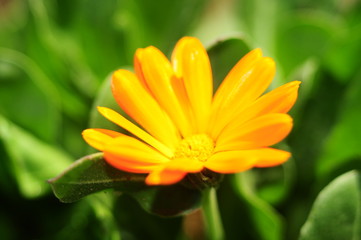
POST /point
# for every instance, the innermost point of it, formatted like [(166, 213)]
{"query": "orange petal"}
[(165, 177), (238, 161), (122, 163), (279, 100), (191, 63), (270, 157), (231, 162), (99, 138), (174, 171), (158, 74), (238, 71), (260, 132), (244, 87), (137, 102), (129, 126), (136, 150), (129, 154)]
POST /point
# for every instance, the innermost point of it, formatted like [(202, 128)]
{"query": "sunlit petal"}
[(98, 138), (242, 160), (158, 75), (141, 106), (164, 177), (279, 100), (260, 132), (231, 162), (174, 171), (191, 63), (247, 87), (129, 126)]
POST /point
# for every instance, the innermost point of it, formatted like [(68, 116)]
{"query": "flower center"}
[(198, 147)]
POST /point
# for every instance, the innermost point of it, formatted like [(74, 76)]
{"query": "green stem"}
[(212, 218)]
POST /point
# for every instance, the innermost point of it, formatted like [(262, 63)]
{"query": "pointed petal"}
[(174, 171), (279, 100), (130, 127), (231, 162), (129, 154), (135, 150), (137, 102), (259, 132), (98, 138), (191, 63), (270, 157), (244, 88), (157, 73), (167, 177), (238, 161), (124, 164)]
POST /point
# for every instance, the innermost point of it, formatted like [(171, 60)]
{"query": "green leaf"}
[(303, 36), (336, 213), (30, 160), (342, 147), (91, 174), (266, 220)]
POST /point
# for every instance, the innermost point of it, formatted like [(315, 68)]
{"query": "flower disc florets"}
[(197, 147)]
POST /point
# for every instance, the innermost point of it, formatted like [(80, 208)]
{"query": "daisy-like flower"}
[(183, 128)]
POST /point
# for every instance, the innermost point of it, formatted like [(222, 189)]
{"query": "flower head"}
[(183, 127)]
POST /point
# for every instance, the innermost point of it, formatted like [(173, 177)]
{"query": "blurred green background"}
[(56, 55)]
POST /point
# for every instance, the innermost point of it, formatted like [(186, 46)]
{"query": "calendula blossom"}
[(184, 128)]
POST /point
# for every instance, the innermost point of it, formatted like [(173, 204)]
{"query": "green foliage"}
[(56, 58), (92, 174), (336, 213)]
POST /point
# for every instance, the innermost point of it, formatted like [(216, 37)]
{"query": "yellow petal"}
[(231, 162), (230, 82), (135, 151), (242, 160), (157, 73), (191, 63), (279, 100), (270, 157), (164, 177), (247, 87), (173, 171), (141, 106), (130, 127), (259, 132), (128, 165), (99, 138)]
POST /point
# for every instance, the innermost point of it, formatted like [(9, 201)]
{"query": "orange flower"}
[(185, 128)]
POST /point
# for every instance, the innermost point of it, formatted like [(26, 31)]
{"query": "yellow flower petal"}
[(238, 72), (134, 150), (191, 63), (141, 106), (164, 177), (129, 126), (260, 132), (270, 157), (98, 138), (231, 162), (242, 160), (279, 100), (124, 164), (246, 87), (157, 73), (174, 171)]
